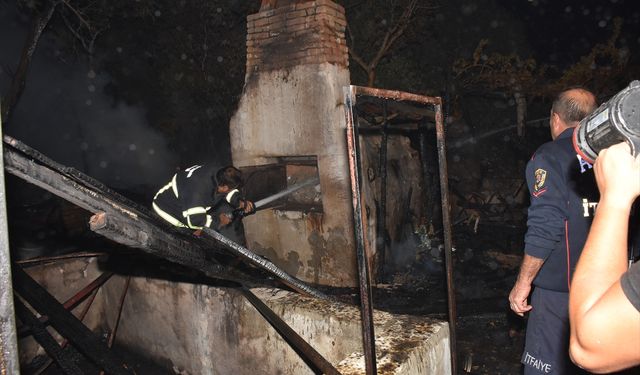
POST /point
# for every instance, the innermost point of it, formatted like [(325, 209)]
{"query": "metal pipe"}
[(395, 95), (366, 310), (112, 335), (76, 299), (9, 363), (314, 359), (30, 261), (446, 225)]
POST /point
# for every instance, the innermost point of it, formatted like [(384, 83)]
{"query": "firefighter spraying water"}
[(260, 204)]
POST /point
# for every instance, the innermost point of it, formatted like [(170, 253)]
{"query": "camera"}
[(613, 122)]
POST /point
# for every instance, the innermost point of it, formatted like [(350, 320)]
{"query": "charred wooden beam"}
[(430, 188), (48, 343), (66, 324), (64, 182), (134, 228), (141, 235), (124, 222), (65, 342), (74, 301), (127, 223)]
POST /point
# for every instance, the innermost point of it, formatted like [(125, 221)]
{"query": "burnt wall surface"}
[(292, 106)]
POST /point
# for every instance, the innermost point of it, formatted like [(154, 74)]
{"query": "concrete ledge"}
[(199, 329), (404, 344)]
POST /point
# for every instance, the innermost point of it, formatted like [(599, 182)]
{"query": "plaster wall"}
[(201, 329), (206, 330), (299, 111), (198, 329)]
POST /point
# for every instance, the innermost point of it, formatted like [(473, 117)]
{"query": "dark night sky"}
[(112, 140), (65, 113), (561, 31), (71, 112)]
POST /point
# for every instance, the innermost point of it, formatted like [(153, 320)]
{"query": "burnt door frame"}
[(363, 250)]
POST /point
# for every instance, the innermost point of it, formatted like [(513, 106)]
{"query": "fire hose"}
[(260, 204)]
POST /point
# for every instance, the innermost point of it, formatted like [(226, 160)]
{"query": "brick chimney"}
[(291, 115), (296, 33)]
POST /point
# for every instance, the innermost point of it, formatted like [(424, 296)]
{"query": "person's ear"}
[(556, 121)]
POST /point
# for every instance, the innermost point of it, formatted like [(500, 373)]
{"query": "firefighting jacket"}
[(189, 199), (563, 197)]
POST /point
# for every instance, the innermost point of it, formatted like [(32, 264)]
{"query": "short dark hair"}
[(574, 104), (229, 176)]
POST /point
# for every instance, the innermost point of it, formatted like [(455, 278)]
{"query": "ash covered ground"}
[(490, 337)]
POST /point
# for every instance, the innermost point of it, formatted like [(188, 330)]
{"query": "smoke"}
[(65, 114)]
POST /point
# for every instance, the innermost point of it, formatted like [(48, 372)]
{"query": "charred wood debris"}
[(213, 258)]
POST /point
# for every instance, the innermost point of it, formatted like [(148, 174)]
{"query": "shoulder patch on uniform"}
[(540, 177)]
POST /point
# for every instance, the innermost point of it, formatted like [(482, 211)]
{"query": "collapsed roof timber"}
[(127, 223)]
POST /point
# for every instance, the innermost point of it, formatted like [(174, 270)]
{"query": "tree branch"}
[(75, 11), (390, 37), (19, 79)]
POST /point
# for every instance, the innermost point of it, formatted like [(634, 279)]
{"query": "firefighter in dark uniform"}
[(563, 197), (202, 196)]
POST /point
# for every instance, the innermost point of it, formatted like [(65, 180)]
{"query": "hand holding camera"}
[(618, 175)]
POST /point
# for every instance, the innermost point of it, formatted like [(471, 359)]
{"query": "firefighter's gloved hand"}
[(247, 207)]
